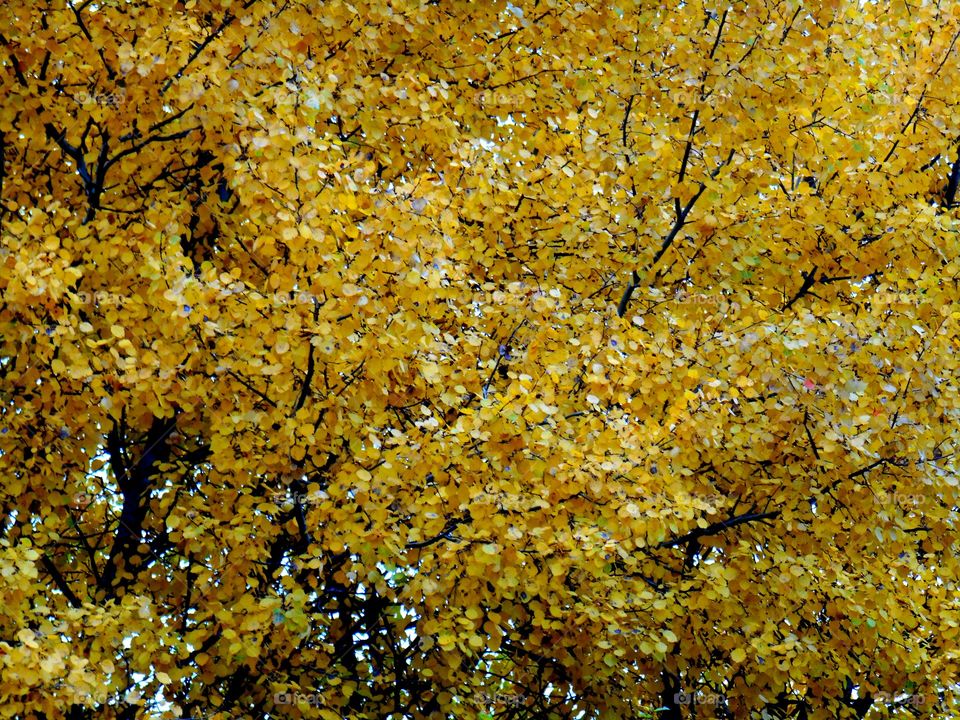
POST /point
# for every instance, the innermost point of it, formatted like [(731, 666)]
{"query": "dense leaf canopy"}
[(553, 359)]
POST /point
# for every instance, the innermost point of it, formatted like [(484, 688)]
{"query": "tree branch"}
[(717, 527), (134, 484), (723, 21), (625, 123), (228, 18), (627, 293), (677, 226), (60, 582), (689, 146), (952, 183)]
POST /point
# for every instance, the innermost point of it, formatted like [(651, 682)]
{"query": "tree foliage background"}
[(520, 360)]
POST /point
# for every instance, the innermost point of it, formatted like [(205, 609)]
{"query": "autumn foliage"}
[(515, 360)]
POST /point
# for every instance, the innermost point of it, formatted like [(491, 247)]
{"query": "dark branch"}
[(133, 481), (677, 226), (717, 527), (786, 30), (952, 183), (311, 366), (723, 21), (60, 581), (626, 122), (806, 426), (445, 534), (809, 279), (200, 47), (14, 62), (689, 146)]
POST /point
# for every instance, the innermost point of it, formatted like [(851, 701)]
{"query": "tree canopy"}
[(547, 359)]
